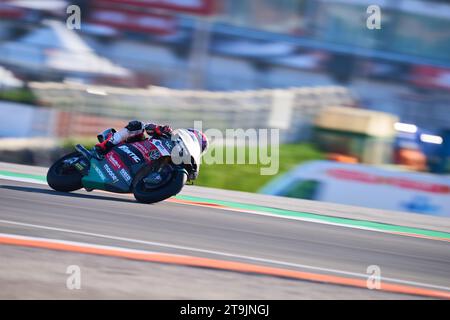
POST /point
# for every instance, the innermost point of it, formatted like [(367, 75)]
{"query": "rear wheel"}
[(62, 176), (158, 183)]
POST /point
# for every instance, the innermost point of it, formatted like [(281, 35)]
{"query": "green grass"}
[(242, 177), (69, 143), (18, 95), (247, 177)]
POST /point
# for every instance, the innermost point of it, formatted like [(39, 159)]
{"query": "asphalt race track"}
[(99, 218)]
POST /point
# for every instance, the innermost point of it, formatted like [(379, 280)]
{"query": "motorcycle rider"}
[(134, 131)]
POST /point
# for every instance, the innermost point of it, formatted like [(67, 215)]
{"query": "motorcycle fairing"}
[(186, 144), (116, 170), (153, 149), (102, 176)]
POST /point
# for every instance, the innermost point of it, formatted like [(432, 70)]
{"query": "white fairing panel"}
[(186, 146)]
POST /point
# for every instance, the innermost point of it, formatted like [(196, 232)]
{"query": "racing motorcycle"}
[(153, 169)]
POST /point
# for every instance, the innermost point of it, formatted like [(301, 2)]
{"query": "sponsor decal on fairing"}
[(99, 172), (125, 175), (158, 144), (130, 153), (154, 154), (110, 173), (144, 149), (114, 160)]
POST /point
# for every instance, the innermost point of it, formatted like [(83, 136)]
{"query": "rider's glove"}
[(156, 130), (134, 125), (104, 146)]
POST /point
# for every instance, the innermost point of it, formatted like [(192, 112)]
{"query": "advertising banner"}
[(367, 186)]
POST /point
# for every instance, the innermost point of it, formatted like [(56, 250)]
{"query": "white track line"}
[(223, 254), (82, 244), (260, 213)]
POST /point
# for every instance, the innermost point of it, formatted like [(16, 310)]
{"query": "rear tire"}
[(168, 190), (64, 181)]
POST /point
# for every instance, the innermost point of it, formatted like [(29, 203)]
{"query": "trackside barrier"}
[(292, 110)]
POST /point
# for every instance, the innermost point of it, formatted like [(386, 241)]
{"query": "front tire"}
[(171, 188), (64, 179)]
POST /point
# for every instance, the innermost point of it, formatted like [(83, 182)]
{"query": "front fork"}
[(83, 163)]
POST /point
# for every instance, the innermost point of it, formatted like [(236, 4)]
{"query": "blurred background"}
[(360, 111)]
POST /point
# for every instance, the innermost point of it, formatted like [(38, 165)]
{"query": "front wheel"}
[(62, 176), (146, 191)]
